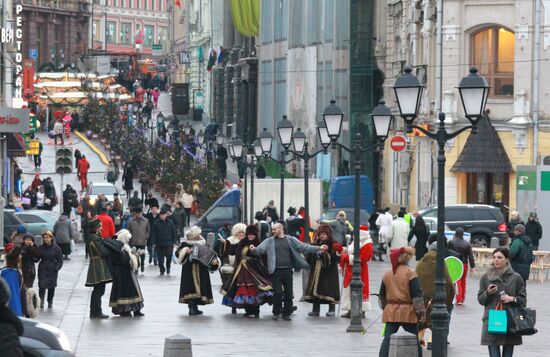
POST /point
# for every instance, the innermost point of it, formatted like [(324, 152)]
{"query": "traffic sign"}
[(157, 50), (398, 143), (33, 53)]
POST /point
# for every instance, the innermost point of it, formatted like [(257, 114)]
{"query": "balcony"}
[(75, 6)]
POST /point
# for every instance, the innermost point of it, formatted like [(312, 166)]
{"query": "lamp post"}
[(332, 117), (297, 138), (473, 91), (249, 160)]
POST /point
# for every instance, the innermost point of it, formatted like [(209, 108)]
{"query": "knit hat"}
[(324, 228), (399, 256), (28, 236), (164, 210), (341, 214), (21, 229), (251, 229), (193, 233)]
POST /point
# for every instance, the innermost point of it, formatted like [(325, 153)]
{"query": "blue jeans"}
[(507, 351)]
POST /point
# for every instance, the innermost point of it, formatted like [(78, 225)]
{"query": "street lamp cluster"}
[(473, 90)]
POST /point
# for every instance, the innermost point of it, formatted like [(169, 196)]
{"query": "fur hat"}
[(251, 229), (324, 228), (124, 236), (93, 225), (238, 228), (400, 256), (193, 233)]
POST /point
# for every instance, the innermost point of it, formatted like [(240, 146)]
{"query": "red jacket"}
[(365, 255), (83, 166), (107, 224)]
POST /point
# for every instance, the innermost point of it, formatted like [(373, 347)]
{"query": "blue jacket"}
[(296, 247)]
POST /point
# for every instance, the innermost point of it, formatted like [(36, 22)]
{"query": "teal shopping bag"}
[(498, 321)]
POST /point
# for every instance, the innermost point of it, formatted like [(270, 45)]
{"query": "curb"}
[(92, 146)]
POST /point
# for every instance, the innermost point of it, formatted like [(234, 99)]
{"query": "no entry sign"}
[(398, 143)]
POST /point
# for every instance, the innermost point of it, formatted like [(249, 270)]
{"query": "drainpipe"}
[(536, 76)]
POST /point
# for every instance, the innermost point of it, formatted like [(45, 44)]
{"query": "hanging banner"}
[(28, 79)]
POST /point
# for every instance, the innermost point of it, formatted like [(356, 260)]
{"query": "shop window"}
[(492, 52)]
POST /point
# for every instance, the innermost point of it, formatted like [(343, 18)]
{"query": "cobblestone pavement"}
[(218, 333)]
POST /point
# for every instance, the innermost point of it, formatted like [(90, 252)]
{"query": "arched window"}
[(492, 52)]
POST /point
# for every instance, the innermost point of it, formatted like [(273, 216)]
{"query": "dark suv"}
[(482, 221)]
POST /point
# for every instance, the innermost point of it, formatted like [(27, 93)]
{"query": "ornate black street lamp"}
[(333, 117), (473, 91)]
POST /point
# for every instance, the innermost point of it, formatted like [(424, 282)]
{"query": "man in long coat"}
[(98, 271)]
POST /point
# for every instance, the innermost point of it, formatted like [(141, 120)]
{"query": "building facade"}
[(55, 33), (309, 53), (508, 43), (117, 24)]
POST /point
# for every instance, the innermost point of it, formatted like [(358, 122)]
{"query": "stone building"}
[(117, 24), (56, 31), (509, 44)]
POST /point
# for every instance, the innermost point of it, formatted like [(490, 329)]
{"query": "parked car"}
[(330, 215), (482, 221), (11, 221), (42, 340), (449, 233), (226, 209), (37, 222), (107, 188)]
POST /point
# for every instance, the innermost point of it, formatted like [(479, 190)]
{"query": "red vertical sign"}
[(28, 79)]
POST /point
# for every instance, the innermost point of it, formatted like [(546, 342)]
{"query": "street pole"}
[(440, 315), (306, 192), (356, 281), (251, 220), (243, 215), (282, 164)]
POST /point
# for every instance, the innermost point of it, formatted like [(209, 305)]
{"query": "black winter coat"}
[(533, 230), (163, 233), (10, 330), (51, 261), (421, 234), (29, 256)]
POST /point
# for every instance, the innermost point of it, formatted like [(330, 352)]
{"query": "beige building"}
[(511, 49)]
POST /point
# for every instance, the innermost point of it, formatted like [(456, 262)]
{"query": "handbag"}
[(521, 321), (497, 324), (412, 242)]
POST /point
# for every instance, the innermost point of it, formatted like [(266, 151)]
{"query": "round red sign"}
[(398, 143)]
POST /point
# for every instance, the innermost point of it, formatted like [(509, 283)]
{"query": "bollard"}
[(494, 242), (177, 346), (403, 344)]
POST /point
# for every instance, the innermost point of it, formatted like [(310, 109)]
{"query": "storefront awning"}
[(483, 152), (16, 145)]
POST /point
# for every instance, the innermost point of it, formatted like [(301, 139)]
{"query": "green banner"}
[(526, 180), (545, 181)]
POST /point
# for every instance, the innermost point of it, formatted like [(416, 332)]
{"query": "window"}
[(125, 33), (296, 30), (481, 214), (31, 218), (492, 52), (281, 19), (163, 35), (329, 20), (96, 34), (314, 15), (110, 32), (220, 214), (457, 214), (280, 89), (342, 23), (266, 95), (266, 31), (148, 35)]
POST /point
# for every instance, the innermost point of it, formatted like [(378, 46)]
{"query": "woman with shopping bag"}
[(499, 288)]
